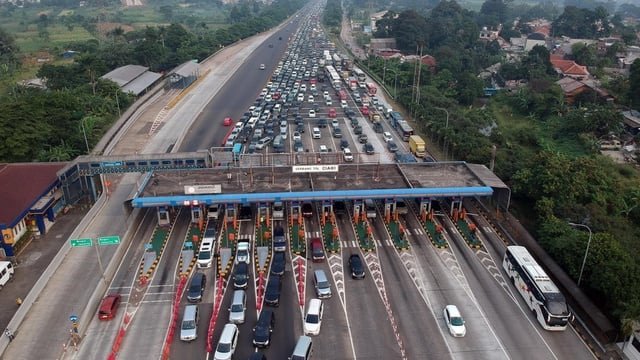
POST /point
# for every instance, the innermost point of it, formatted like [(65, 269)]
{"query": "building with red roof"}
[(570, 68), (31, 197)]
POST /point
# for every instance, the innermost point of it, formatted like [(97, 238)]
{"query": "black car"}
[(272, 293), (300, 128), (245, 212), (263, 329), (363, 138), (392, 147), (368, 148), (241, 276), (344, 144), (322, 123), (196, 287), (357, 129), (257, 356), (356, 266), (339, 207), (278, 263), (307, 209)]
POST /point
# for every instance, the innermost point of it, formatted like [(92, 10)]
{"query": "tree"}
[(634, 83), (584, 54), (493, 12), (8, 54), (582, 23)]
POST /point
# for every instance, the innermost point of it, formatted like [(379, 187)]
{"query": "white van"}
[(303, 349), (315, 133), (189, 325), (322, 285), (212, 211), (205, 254), (313, 319), (370, 208), (278, 210), (263, 142), (238, 307), (227, 344), (6, 272)]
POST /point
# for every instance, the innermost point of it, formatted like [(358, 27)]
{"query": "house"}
[(632, 121), (569, 68), (31, 198), (572, 88), (427, 60), (381, 43), (490, 35)]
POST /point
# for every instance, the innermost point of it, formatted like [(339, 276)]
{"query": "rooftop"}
[(22, 186)]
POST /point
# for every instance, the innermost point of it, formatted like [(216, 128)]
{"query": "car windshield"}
[(236, 308), (457, 321), (312, 318), (188, 325), (224, 347), (204, 255)]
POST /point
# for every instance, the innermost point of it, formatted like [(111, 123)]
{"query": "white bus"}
[(538, 291), (6, 272), (359, 74)]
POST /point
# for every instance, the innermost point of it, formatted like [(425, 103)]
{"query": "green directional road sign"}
[(109, 240), (81, 242)]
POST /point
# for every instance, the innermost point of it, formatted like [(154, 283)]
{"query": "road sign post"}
[(84, 242), (109, 240)]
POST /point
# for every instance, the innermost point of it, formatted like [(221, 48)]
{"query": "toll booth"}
[(389, 209), (230, 211), (327, 209), (357, 209), (295, 210), (263, 210), (456, 206), (163, 216), (196, 213), (424, 206)]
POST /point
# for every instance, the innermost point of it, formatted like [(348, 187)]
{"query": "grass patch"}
[(59, 36)]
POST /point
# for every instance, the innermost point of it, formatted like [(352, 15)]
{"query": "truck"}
[(395, 117), (374, 116), (417, 146)]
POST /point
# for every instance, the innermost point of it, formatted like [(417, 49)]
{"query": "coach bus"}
[(538, 291), (404, 130), (359, 74)]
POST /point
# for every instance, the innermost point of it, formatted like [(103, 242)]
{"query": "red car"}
[(365, 110), (332, 112), (108, 307), (317, 252), (227, 121)]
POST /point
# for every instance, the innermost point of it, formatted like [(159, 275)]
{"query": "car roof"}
[(453, 310)]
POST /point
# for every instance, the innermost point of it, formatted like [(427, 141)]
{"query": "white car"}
[(343, 103), (454, 321), (313, 319), (243, 254), (328, 102), (312, 113), (227, 344), (297, 136), (348, 156), (386, 136), (310, 98)]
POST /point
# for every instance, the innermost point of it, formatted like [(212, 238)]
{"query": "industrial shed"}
[(134, 79)]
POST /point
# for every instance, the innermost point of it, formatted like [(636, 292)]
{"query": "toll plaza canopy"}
[(314, 182)]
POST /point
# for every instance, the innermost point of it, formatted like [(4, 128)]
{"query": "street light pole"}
[(586, 253), (84, 132), (446, 127)]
